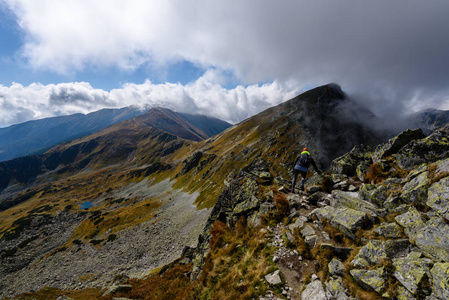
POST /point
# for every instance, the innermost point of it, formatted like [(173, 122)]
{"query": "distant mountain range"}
[(35, 137), (430, 119)]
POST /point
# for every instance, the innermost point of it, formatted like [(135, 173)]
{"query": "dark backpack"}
[(305, 160)]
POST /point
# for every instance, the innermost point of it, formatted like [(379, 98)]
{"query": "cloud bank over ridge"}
[(21, 103), (392, 55)]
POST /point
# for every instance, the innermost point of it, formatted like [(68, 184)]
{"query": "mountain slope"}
[(37, 136), (151, 191), (210, 126), (430, 119)]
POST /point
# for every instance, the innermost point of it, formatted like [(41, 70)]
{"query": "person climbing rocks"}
[(302, 163)]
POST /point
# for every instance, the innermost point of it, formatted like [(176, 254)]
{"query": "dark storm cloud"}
[(391, 55)]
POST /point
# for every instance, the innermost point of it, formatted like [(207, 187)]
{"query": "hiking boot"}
[(302, 188)]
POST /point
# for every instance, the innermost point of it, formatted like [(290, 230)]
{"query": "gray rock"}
[(397, 143), (404, 294), (311, 240), (298, 223), (440, 275), (376, 194), (411, 221), (374, 251), (247, 205), (411, 271), (415, 191), (433, 240), (335, 289), (336, 267), (438, 194), (370, 279), (273, 278), (307, 230), (346, 220), (390, 230), (430, 149), (353, 201), (315, 291)]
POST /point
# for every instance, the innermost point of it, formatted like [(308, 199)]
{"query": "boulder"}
[(440, 276), (433, 240), (376, 194), (370, 279), (389, 230), (430, 149), (336, 267), (411, 221), (397, 143), (403, 294), (437, 198), (335, 289), (412, 270), (314, 290), (345, 219), (374, 251), (353, 201), (415, 191), (348, 163), (247, 205)]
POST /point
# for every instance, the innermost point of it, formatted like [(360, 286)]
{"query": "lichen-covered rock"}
[(433, 240), (370, 279), (412, 270), (389, 230), (403, 294), (430, 149), (247, 205), (352, 200), (440, 277), (395, 144), (345, 219), (314, 290), (438, 195), (336, 267), (375, 251), (347, 164), (376, 194), (415, 191), (411, 221), (336, 290)]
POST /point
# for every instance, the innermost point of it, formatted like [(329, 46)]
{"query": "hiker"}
[(302, 162)]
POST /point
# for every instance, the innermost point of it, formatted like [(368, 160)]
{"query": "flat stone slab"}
[(273, 278), (370, 279), (345, 219)]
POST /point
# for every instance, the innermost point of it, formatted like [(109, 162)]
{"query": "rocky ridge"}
[(381, 216)]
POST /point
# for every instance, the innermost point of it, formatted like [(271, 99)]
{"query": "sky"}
[(227, 59)]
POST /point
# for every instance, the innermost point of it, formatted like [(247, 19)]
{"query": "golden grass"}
[(47, 293)]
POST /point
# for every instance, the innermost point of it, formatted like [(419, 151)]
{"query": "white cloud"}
[(389, 50), (21, 103)]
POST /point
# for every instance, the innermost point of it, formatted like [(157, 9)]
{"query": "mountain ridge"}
[(133, 182)]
